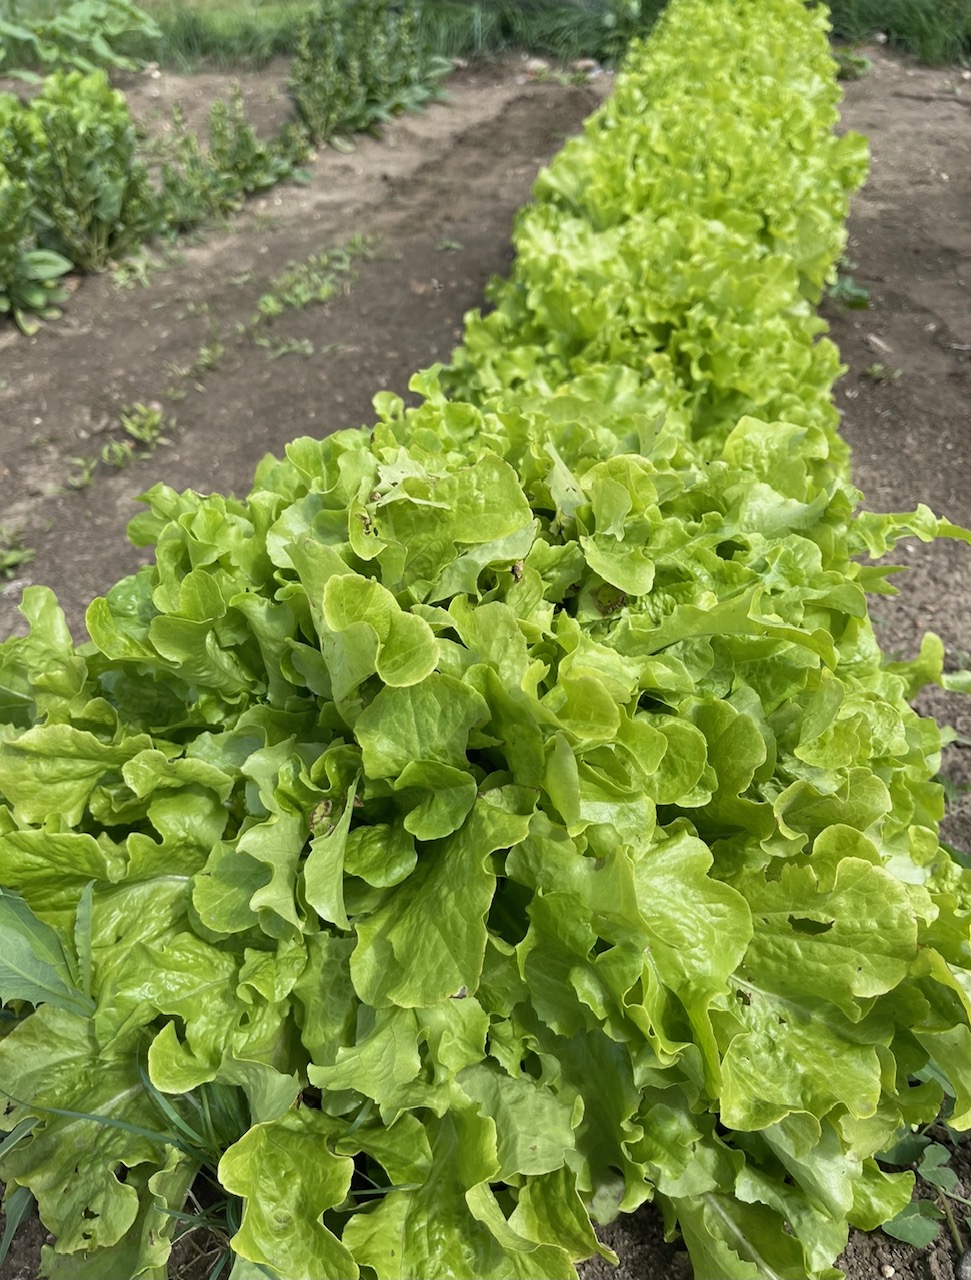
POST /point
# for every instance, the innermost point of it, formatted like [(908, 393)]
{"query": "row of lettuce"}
[(80, 189), (506, 816)]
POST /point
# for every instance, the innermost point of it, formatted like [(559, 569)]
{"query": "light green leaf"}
[(287, 1176), (427, 940), (841, 932), (625, 566), (323, 871), (428, 721), (382, 855), (447, 796), (55, 768), (534, 1129), (382, 1065)]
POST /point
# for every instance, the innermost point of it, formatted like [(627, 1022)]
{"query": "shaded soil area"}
[(438, 193)]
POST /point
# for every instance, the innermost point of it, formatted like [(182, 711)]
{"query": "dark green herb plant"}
[(360, 63), (199, 183), (74, 147)]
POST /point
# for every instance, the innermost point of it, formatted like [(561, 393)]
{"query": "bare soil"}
[(438, 191)]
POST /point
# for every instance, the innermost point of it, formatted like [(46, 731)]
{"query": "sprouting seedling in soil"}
[(13, 553), (315, 280), (850, 65), (883, 373), (852, 295), (919, 1222), (144, 424), (117, 453), (278, 347), (209, 355), (84, 474)]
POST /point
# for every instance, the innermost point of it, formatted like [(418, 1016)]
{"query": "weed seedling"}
[(117, 453), (209, 356), (84, 473), (882, 373), (144, 424), (279, 347), (856, 297), (13, 553), (134, 271), (850, 65), (919, 1222)]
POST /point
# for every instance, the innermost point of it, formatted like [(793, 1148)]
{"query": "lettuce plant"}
[(499, 818), (689, 245)]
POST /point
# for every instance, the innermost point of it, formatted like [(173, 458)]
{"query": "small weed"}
[(854, 296), (918, 1224), (134, 271), (953, 791), (117, 453), (193, 309), (449, 246), (13, 553), (883, 373), (209, 355), (279, 347), (315, 280), (83, 474), (144, 424), (850, 65)]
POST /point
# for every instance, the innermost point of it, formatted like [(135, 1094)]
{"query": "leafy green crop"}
[(505, 816), (74, 148), (197, 184), (80, 35), (358, 64)]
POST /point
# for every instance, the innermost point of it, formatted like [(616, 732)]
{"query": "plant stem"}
[(955, 1230)]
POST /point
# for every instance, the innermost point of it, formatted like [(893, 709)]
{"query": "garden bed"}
[(438, 194)]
